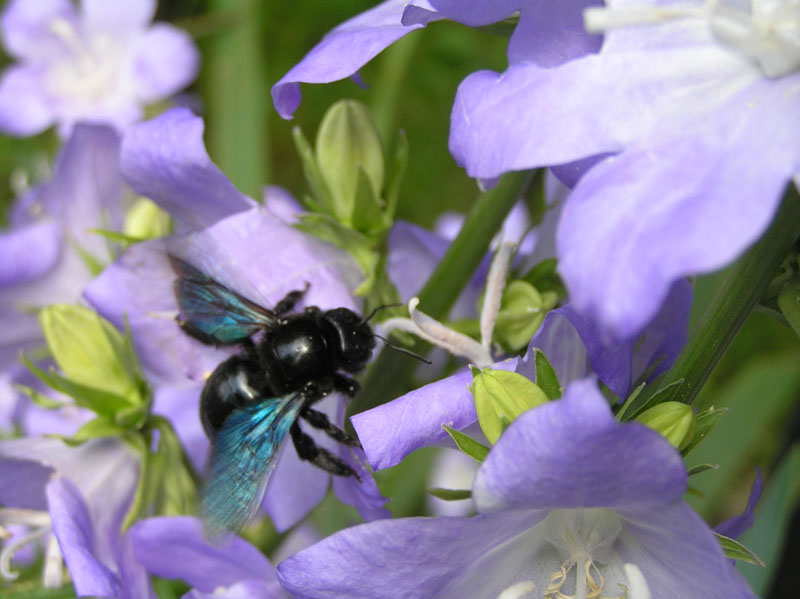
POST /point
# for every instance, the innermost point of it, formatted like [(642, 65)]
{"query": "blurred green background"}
[(247, 45)]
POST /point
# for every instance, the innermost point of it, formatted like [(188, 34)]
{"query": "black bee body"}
[(252, 400)]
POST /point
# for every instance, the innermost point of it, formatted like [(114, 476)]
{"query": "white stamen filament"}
[(495, 284), (10, 550), (768, 34), (53, 574), (517, 591), (637, 585)]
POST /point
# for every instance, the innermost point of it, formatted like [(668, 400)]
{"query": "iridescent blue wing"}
[(213, 313), (243, 455)]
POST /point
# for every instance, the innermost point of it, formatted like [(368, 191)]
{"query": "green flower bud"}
[(91, 352), (145, 220), (675, 421), (350, 159), (500, 397), (522, 311)]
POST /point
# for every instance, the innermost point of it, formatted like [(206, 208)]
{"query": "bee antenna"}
[(402, 350), (378, 309)]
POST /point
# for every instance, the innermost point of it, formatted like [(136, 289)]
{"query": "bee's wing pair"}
[(243, 455), (213, 313)]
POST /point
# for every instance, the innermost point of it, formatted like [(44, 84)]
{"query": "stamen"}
[(768, 33), (53, 574), (518, 590), (589, 582), (456, 343), (638, 585), (65, 31), (12, 548), (495, 284)]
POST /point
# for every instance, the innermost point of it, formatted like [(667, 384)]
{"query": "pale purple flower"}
[(44, 250), (547, 33), (570, 503), (100, 63), (176, 548), (575, 348), (697, 104), (246, 247), (74, 499)]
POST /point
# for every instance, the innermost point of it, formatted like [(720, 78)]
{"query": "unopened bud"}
[(674, 420)]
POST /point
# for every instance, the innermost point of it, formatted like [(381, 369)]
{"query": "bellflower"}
[(570, 503), (101, 63), (248, 248), (74, 499), (46, 247), (547, 34), (692, 110)]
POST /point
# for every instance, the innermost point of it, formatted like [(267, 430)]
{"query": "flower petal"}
[(20, 264), (576, 455), (406, 558), (166, 61), (704, 217), (176, 547), (121, 14), (26, 26), (390, 432), (24, 110), (73, 528), (165, 159), (677, 554), (737, 525), (342, 52)]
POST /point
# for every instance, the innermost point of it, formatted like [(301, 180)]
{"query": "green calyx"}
[(673, 420), (522, 311), (500, 397)]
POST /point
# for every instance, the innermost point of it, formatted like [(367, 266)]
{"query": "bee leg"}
[(309, 451), (345, 385), (320, 421), (288, 302)]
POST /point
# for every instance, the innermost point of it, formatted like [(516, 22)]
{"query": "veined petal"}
[(477, 14), (166, 61), (677, 554), (342, 52), (165, 159), (23, 108), (20, 264), (681, 207), (576, 455), (390, 432)]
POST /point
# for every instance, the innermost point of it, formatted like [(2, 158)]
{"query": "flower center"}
[(766, 31), (590, 566), (89, 69)]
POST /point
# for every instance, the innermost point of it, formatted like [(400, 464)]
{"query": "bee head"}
[(354, 337)]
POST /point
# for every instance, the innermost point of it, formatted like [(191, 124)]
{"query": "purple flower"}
[(75, 499), (570, 502), (547, 33), (697, 106), (390, 432), (248, 248), (99, 64), (44, 251), (177, 548)]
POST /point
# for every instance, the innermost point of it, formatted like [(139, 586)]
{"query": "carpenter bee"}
[(288, 361)]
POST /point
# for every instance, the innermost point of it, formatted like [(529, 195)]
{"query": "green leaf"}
[(467, 444), (96, 428), (733, 549), (40, 399), (90, 351), (450, 494), (546, 376), (323, 200), (120, 238), (701, 468), (706, 421), (99, 401), (641, 403), (620, 415), (367, 216), (789, 303), (396, 171)]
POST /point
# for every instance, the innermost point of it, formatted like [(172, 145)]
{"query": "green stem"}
[(236, 89), (390, 374), (732, 304)]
